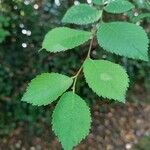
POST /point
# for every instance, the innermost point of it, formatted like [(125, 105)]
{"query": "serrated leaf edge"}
[(117, 53), (63, 50), (73, 22), (105, 8), (88, 130), (107, 97), (34, 104)]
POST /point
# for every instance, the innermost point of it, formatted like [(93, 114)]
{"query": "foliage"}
[(69, 115), (68, 39), (16, 66), (107, 79), (76, 15), (19, 65), (143, 144), (125, 39), (4, 22), (109, 83), (43, 90), (140, 17), (118, 6)]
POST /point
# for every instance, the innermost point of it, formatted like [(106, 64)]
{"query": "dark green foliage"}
[(18, 64), (143, 144), (4, 22)]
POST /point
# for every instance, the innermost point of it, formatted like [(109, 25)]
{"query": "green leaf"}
[(106, 79), (63, 38), (98, 2), (82, 14), (46, 88), (140, 17), (125, 39), (118, 6), (71, 120)]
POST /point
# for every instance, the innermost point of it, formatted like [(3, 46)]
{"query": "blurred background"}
[(23, 25)]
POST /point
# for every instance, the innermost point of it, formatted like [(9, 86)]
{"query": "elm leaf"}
[(106, 79), (82, 14), (125, 39), (118, 6), (46, 88), (64, 38), (71, 120)]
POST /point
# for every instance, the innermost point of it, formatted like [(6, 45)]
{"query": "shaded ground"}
[(115, 127)]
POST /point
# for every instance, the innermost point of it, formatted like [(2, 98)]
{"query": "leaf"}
[(106, 79), (71, 120), (125, 39), (118, 6), (140, 17), (82, 14), (63, 38), (98, 2), (46, 88)]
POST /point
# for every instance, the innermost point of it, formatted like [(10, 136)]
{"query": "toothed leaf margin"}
[(46, 88), (71, 120)]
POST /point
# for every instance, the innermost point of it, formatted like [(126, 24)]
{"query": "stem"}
[(79, 71), (101, 20), (90, 48), (75, 78)]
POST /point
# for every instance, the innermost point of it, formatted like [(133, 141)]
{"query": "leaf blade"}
[(124, 39), (46, 88), (140, 17), (64, 38), (82, 14), (106, 79), (118, 6), (70, 113)]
